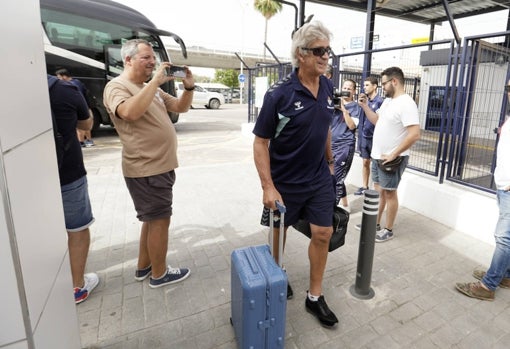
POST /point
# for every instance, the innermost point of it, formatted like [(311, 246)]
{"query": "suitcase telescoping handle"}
[(281, 208)]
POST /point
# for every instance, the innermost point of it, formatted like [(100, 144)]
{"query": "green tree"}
[(227, 77), (268, 8)]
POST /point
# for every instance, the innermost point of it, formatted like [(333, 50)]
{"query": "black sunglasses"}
[(318, 51), (507, 88)]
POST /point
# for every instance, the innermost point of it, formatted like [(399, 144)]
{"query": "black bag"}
[(391, 166), (340, 221)]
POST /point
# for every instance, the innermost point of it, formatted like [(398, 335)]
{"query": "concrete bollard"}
[(361, 289)]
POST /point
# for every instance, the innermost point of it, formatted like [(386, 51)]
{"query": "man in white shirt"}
[(397, 128)]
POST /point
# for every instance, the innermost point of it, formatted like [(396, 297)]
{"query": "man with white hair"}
[(292, 153)]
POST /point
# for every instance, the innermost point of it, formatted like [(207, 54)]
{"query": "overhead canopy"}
[(423, 11)]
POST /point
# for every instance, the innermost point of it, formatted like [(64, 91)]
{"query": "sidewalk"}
[(217, 209)]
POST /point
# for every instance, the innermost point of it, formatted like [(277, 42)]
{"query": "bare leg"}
[(391, 199), (78, 244), (154, 246), (318, 255), (366, 172), (143, 253)]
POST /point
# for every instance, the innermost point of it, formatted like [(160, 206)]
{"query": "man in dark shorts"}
[(292, 153), (366, 130), (139, 110), (70, 112)]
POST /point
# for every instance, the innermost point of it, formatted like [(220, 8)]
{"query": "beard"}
[(390, 92)]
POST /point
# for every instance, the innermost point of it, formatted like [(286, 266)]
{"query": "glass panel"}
[(88, 36)]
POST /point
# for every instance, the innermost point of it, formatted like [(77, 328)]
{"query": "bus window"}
[(85, 37)]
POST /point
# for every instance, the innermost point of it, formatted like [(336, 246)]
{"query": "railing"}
[(459, 93)]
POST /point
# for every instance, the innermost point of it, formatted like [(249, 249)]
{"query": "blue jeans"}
[(76, 202), (500, 264)]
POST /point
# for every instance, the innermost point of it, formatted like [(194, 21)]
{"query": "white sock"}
[(312, 297)]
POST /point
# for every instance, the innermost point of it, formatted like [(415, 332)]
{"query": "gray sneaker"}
[(383, 235)]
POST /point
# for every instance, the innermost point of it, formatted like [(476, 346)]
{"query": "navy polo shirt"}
[(297, 125), (341, 134), (365, 126)]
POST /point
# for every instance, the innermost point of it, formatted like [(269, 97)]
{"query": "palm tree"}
[(268, 8)]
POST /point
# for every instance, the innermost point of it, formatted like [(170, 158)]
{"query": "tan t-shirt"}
[(149, 144)]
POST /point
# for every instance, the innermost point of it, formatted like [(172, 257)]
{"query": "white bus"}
[(85, 37)]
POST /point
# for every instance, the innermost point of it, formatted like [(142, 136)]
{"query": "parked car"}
[(201, 96), (218, 87)]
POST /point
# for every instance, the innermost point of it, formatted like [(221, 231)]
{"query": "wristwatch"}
[(189, 88)]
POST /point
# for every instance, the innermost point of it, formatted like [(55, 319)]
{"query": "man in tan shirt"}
[(139, 110)]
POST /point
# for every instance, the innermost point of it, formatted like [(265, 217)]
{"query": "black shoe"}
[(321, 310), (290, 293)]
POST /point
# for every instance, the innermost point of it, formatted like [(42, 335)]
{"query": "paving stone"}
[(413, 276)]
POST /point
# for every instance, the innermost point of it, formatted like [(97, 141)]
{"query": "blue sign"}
[(241, 77)]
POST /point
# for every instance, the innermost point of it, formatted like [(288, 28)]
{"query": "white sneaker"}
[(91, 280)]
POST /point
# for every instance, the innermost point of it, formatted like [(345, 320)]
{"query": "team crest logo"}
[(298, 105)]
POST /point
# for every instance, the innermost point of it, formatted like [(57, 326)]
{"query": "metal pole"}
[(361, 289)]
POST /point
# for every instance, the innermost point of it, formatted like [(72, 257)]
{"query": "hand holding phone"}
[(362, 98), (176, 71)]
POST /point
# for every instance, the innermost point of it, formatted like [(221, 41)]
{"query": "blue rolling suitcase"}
[(259, 294)]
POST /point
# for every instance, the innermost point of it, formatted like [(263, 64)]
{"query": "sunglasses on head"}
[(318, 51), (507, 88)]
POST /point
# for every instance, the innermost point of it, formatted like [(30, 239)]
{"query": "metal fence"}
[(460, 97)]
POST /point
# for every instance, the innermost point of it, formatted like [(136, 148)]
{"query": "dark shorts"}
[(152, 196), (365, 147), (76, 202), (388, 181), (314, 205)]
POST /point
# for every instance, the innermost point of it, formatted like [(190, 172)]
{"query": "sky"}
[(235, 25)]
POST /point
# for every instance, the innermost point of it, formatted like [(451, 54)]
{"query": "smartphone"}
[(176, 71)]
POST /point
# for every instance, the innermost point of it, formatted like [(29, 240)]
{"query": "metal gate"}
[(481, 107), (460, 97)]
